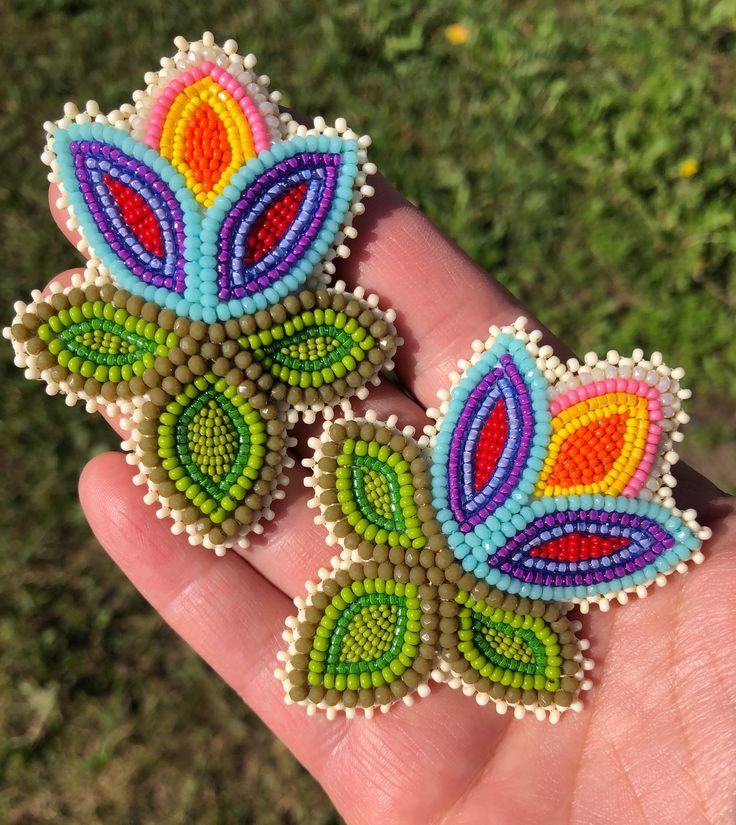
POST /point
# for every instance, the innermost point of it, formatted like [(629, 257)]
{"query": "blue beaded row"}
[(579, 514), (200, 253), (532, 395)]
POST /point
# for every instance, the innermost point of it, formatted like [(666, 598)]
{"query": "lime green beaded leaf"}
[(371, 486), (323, 346), (357, 641), (211, 458), (513, 651), (96, 343)]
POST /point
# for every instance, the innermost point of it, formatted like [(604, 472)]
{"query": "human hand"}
[(656, 735)]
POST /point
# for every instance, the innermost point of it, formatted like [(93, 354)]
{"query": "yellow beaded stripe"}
[(585, 413), (171, 145)]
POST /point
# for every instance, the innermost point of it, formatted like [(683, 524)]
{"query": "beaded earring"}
[(205, 318)]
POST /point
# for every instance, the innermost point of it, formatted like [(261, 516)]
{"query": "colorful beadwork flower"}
[(552, 481), (211, 221), (205, 318)]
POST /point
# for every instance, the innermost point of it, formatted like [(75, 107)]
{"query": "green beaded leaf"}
[(320, 353), (98, 344), (359, 637), (517, 651), (210, 454), (366, 632), (370, 483), (98, 340)]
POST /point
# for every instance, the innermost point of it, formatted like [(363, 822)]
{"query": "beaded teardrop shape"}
[(133, 219), (588, 546), (211, 456), (605, 438), (208, 126), (495, 426), (357, 641), (280, 217), (509, 650), (328, 346), (85, 341), (370, 483)]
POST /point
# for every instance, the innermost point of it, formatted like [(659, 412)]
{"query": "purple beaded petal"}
[(236, 278), (467, 489), (95, 164)]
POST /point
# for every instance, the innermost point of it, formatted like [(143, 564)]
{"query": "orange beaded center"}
[(206, 147), (138, 215), (596, 445), (579, 462)]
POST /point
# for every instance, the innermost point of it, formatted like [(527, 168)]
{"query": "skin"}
[(656, 739)]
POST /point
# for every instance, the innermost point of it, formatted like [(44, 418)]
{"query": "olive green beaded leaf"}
[(358, 641), (371, 486), (321, 347), (95, 343), (518, 653), (212, 459)]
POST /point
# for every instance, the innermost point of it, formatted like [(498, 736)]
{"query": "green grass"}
[(548, 146)]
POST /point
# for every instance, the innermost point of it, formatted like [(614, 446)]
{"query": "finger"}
[(443, 299), (222, 607), (61, 216)]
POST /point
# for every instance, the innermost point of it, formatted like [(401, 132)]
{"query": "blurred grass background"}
[(582, 152)]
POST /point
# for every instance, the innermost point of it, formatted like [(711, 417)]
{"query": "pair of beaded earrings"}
[(212, 222)]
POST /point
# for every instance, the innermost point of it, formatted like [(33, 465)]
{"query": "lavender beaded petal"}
[(94, 162)]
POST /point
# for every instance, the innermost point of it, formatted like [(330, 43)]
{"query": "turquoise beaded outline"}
[(202, 226), (505, 343)]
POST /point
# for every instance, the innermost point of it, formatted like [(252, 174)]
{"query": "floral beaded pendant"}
[(210, 220), (206, 319)]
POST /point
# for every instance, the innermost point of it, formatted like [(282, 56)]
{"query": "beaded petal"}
[(515, 652), (356, 643), (207, 124), (370, 484), (212, 459), (321, 347)]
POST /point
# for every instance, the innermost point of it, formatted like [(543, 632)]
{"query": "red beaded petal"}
[(270, 227), (490, 444), (138, 215)]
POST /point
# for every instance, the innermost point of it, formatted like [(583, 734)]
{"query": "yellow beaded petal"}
[(207, 138)]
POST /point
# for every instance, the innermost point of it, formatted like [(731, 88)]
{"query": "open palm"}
[(657, 736)]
